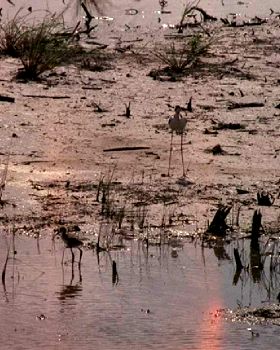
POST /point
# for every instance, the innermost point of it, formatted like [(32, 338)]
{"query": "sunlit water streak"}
[(160, 302)]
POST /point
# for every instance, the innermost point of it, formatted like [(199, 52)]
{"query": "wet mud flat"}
[(73, 156)]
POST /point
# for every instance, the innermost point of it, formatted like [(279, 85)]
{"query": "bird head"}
[(178, 109), (61, 231)]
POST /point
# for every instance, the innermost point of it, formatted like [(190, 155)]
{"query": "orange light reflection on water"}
[(211, 330)]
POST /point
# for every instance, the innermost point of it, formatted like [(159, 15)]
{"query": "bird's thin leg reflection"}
[(72, 289)]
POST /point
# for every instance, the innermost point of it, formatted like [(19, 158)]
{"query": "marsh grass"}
[(179, 57), (11, 33), (43, 48), (40, 46), (187, 11)]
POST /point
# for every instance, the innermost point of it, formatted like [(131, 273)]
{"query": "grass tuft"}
[(179, 57), (11, 33), (40, 46)]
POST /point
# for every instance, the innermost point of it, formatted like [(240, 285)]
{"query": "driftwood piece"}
[(242, 191), (55, 97), (128, 148), (205, 15), (91, 88), (230, 126), (124, 48), (256, 21), (7, 99), (218, 226), (265, 199), (235, 105), (216, 150), (210, 132)]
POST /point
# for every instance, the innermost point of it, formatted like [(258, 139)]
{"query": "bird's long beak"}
[(55, 233)]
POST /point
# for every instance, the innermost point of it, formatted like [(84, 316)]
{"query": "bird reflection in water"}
[(73, 289)]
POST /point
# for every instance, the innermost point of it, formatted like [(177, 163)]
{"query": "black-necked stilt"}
[(178, 124), (70, 242)]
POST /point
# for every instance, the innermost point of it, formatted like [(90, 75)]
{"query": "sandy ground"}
[(57, 157)]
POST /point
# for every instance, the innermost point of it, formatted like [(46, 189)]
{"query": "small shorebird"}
[(177, 124), (70, 242)]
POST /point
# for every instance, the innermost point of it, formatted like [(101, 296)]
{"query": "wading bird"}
[(177, 124), (70, 242)]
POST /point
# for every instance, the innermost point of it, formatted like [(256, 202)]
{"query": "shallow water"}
[(160, 301), (147, 10)]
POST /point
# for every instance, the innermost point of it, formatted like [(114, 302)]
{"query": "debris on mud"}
[(216, 150), (264, 315)]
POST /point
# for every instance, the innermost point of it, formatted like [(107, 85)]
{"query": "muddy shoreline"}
[(61, 136), (75, 157)]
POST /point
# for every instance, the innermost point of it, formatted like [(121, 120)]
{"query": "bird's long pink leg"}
[(81, 254), (73, 256), (170, 154), (62, 256), (182, 154)]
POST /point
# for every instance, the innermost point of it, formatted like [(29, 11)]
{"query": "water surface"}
[(160, 301), (147, 10)]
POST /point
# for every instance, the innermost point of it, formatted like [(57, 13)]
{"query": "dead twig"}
[(57, 97), (7, 99), (189, 105), (205, 15), (98, 109), (4, 269), (128, 148), (235, 105), (127, 110)]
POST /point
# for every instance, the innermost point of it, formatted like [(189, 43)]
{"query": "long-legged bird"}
[(177, 124), (70, 242)]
